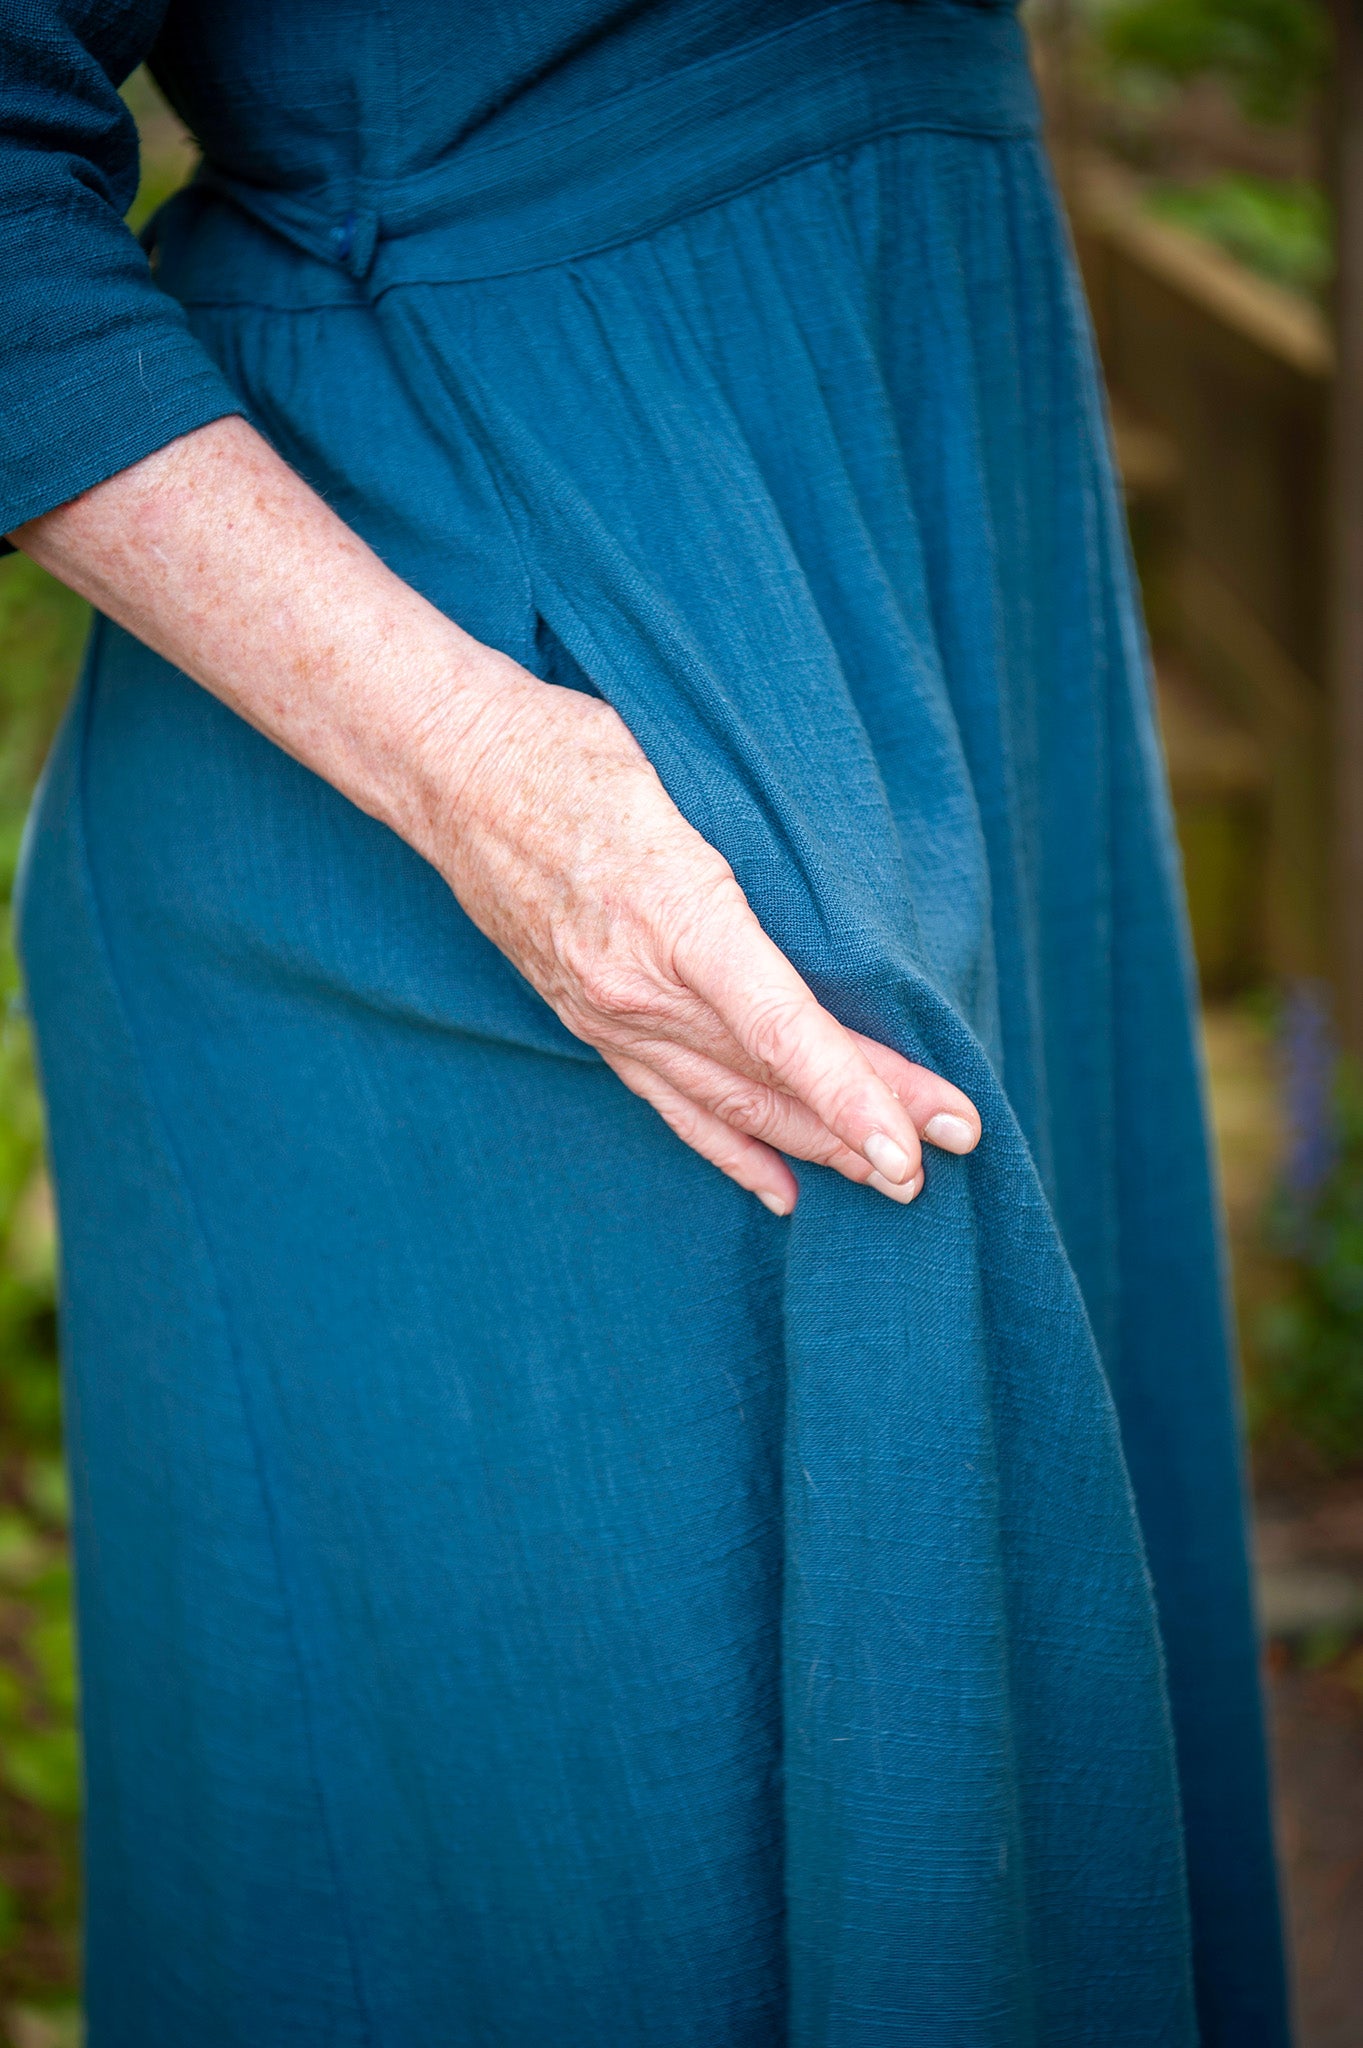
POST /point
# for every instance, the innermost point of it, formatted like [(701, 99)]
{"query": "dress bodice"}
[(336, 99), (341, 124)]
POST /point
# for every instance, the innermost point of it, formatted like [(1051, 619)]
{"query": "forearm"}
[(534, 802), (216, 554)]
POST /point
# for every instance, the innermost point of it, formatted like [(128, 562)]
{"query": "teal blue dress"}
[(529, 1594)]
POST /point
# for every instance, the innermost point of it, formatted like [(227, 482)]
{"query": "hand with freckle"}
[(567, 851), (534, 802)]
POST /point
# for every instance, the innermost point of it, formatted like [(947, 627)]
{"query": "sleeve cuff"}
[(74, 438)]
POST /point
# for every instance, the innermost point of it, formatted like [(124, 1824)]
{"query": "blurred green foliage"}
[(1310, 1376), (1279, 228), (168, 154), (42, 627), (1271, 53)]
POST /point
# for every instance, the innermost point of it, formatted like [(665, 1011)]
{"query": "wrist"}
[(431, 773)]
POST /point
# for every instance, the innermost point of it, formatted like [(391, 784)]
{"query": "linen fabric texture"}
[(526, 1591)]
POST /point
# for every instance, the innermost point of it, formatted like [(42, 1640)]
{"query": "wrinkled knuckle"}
[(773, 1030), (849, 1108), (621, 991), (608, 983), (744, 1106)]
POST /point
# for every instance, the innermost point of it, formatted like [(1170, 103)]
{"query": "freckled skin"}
[(533, 802)]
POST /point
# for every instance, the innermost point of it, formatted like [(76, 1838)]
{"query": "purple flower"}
[(1310, 1056)]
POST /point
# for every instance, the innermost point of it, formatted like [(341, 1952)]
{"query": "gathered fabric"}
[(525, 1588)]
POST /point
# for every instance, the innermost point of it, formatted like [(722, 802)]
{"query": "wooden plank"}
[(1286, 712), (1239, 375), (1285, 326), (1346, 583)]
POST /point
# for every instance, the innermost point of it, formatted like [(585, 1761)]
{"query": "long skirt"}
[(527, 1592)]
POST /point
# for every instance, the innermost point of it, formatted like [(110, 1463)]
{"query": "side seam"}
[(83, 712)]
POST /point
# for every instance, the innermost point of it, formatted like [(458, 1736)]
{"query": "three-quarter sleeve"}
[(97, 365)]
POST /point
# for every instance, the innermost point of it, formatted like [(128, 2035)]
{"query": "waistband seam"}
[(998, 136), (363, 300), (608, 176), (740, 53)]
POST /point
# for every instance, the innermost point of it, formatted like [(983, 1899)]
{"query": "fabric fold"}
[(836, 1632), (963, 1792)]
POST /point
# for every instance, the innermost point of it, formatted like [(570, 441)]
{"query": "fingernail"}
[(897, 1192), (772, 1202), (887, 1157), (951, 1133)]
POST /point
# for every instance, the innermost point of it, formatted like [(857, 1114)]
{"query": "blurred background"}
[(1210, 154)]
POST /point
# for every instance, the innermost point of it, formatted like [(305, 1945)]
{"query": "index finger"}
[(943, 1114), (796, 1045)]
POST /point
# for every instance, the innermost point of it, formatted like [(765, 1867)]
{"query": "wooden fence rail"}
[(1222, 388)]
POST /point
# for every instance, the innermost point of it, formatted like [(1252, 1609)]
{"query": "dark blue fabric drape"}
[(528, 1592)]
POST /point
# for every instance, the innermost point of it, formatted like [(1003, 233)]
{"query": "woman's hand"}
[(565, 849), (534, 802)]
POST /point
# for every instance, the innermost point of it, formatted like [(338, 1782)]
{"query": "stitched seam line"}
[(365, 300)]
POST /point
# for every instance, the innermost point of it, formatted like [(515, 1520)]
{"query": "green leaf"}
[(23, 1553), (46, 1491), (52, 1646), (1272, 53), (43, 1766)]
